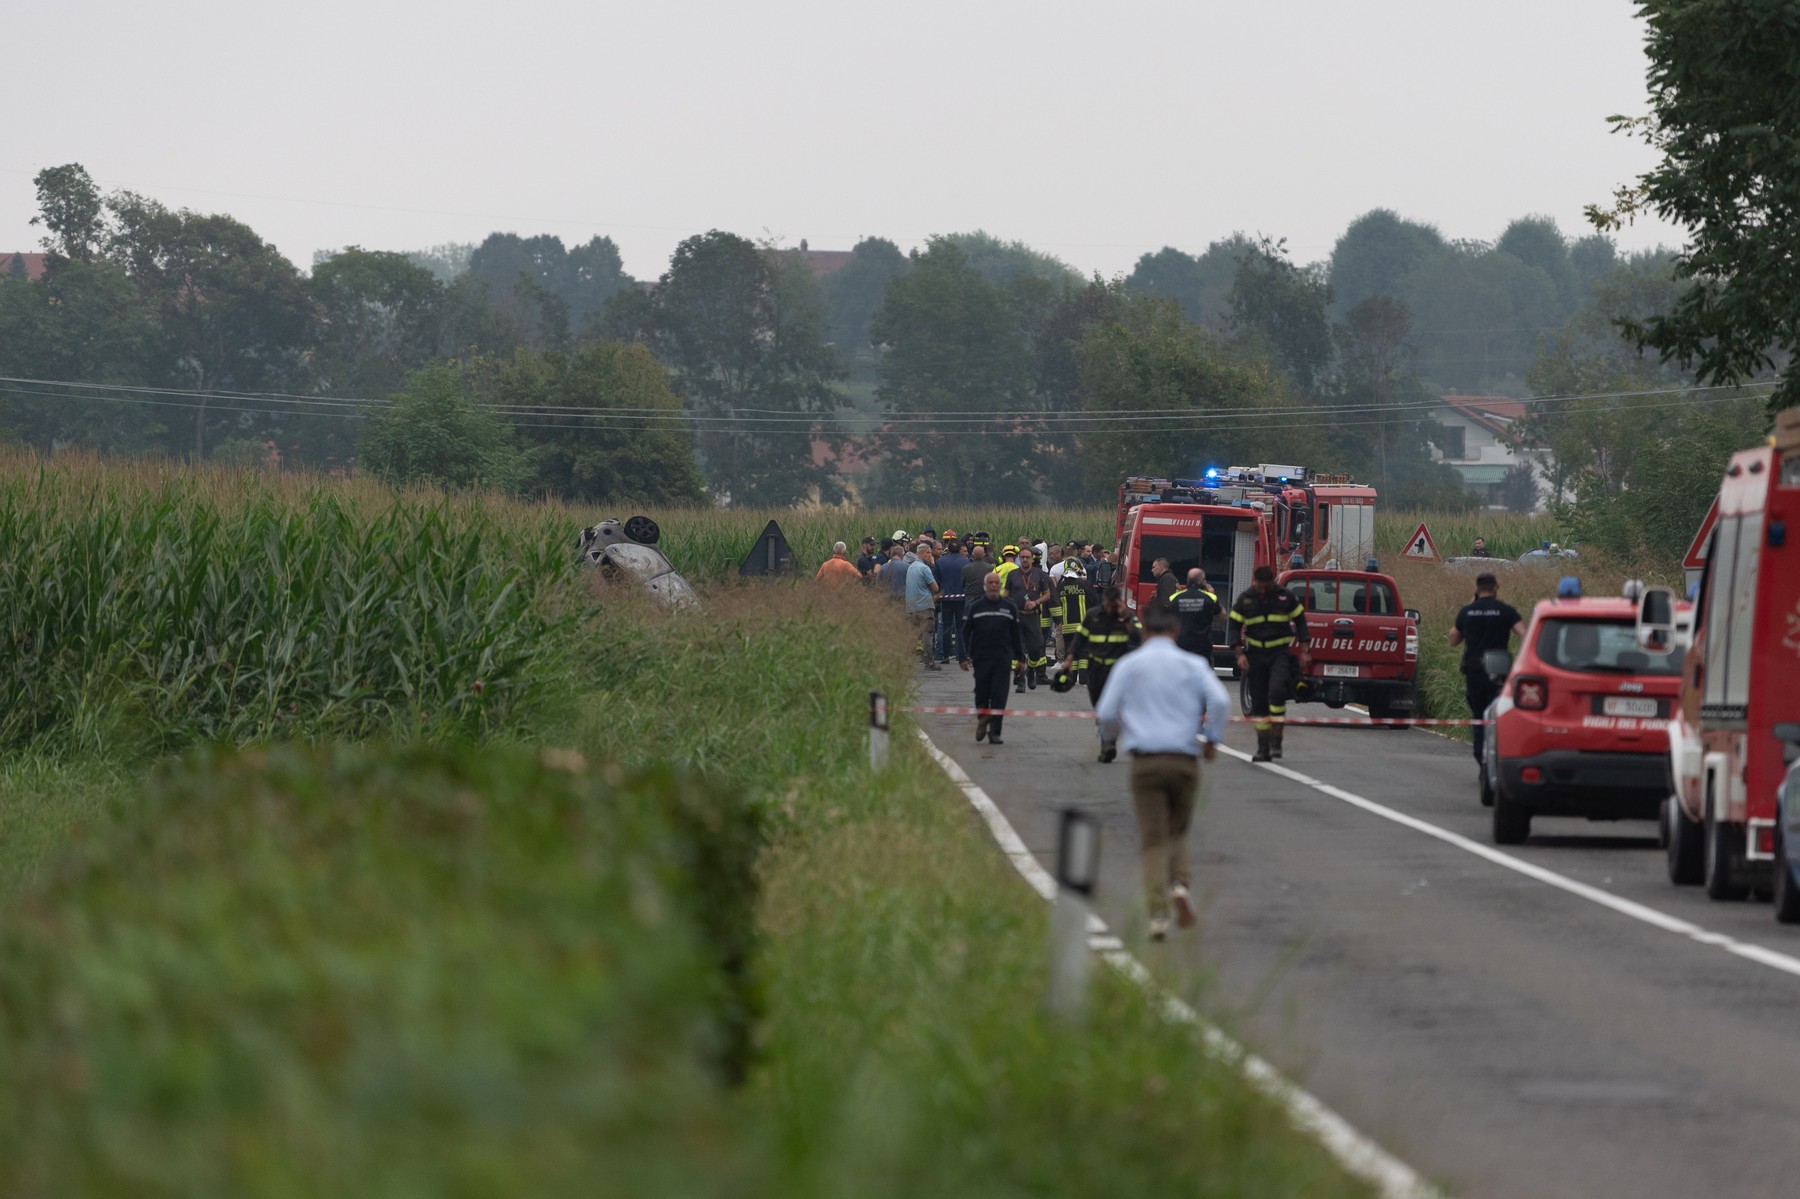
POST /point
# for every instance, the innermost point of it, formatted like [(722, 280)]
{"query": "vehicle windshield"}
[(1600, 647), (1357, 597), (1211, 552)]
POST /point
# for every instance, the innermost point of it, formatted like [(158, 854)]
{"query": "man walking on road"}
[(1265, 621), (1157, 701), (1028, 588), (1197, 606), (950, 567), (1106, 635), (991, 642), (921, 604), (1485, 624)]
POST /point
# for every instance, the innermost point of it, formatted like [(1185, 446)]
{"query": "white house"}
[(1471, 442)]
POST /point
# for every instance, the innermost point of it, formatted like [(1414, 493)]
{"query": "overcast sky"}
[(1094, 131)]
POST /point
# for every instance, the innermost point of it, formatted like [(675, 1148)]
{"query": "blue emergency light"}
[(1212, 472), (1569, 587)]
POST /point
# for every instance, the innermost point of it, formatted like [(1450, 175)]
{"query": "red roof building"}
[(1472, 439), (33, 264)]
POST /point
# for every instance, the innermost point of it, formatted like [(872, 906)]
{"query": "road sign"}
[(1421, 547), (1695, 558), (1693, 563)]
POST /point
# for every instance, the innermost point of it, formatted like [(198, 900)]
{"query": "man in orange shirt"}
[(838, 570)]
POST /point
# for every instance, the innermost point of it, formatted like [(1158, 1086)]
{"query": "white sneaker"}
[(1159, 928), (1183, 903)]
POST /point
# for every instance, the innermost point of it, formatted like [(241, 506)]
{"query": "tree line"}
[(971, 369)]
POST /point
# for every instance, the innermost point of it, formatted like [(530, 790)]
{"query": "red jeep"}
[(1365, 646), (1581, 728)]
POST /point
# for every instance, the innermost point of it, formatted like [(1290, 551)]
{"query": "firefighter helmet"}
[(1062, 681)]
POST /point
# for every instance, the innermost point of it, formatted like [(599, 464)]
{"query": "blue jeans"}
[(949, 630)]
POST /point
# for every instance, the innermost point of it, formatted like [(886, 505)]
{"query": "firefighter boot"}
[(1019, 682), (1262, 754), (1275, 740)]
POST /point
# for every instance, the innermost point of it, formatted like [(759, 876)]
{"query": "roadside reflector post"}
[(878, 730), (1077, 872)]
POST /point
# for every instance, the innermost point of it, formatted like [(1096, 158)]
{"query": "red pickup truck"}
[(1365, 646)]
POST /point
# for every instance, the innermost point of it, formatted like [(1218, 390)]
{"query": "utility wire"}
[(1154, 417)]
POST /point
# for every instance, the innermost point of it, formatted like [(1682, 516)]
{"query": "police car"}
[(1581, 726)]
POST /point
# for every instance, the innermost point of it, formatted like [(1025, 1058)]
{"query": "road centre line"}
[(1356, 1153), (1747, 950)]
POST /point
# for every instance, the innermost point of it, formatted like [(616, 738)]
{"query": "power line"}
[(1062, 418), (1236, 421)]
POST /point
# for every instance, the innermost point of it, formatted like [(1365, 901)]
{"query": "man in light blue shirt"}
[(921, 603), (1161, 703)]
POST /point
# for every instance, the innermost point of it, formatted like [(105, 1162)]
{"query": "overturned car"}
[(628, 551)]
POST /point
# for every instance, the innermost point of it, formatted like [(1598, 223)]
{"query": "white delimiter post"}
[(1077, 867), (878, 730)]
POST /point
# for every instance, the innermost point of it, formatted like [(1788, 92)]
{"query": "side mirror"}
[(1496, 662), (1656, 620), (1412, 614)]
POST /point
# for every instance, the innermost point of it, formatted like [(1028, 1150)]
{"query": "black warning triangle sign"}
[(771, 555)]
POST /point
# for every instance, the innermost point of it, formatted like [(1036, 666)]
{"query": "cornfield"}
[(167, 610)]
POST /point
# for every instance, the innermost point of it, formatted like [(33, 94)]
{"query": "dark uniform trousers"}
[(1267, 626), (993, 687), (1270, 682)]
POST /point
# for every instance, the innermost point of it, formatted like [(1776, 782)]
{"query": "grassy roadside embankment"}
[(451, 940)]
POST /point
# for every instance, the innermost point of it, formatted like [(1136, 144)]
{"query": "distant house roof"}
[(1493, 413), (820, 262), (34, 264)]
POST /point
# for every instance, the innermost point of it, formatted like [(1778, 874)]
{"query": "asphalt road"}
[(1501, 1035)]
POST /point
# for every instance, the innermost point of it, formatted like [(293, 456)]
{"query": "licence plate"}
[(1339, 672), (1619, 705)]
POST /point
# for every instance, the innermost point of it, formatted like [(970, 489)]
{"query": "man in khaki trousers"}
[(1161, 705)]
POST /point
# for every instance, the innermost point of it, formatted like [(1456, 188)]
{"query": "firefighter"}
[(1265, 621), (1071, 609), (1028, 587), (1197, 605), (1107, 634), (989, 643)]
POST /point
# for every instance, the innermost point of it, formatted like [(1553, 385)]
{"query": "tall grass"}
[(358, 971)]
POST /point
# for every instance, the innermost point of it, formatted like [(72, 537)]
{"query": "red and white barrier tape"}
[(1071, 714)]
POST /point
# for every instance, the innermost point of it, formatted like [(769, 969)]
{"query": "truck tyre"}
[(1720, 883), (1512, 823), (1787, 895), (1382, 708), (1686, 844)]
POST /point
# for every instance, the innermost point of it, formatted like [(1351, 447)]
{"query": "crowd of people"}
[(936, 577)]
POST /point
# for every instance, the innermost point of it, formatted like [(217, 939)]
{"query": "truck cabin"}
[(1344, 592)]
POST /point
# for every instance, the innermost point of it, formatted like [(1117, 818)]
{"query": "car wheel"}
[(1487, 789), (1244, 694), (1720, 883), (1686, 845), (1787, 895), (1512, 823)]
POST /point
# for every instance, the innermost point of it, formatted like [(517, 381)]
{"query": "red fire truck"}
[(1739, 718), (1320, 517), (1191, 525)]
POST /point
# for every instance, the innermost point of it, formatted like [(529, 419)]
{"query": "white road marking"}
[(1747, 950), (1356, 1153)]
